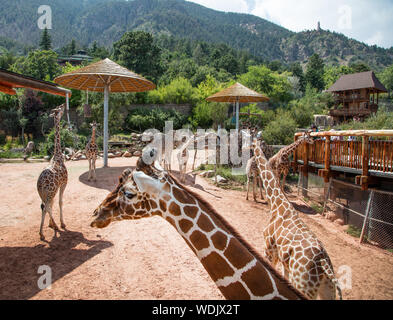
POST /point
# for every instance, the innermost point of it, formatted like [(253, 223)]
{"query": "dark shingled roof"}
[(358, 81)]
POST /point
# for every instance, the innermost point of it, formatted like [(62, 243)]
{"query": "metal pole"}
[(106, 107), (68, 110), (370, 200), (237, 115)]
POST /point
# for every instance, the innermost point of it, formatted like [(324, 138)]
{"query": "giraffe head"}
[(57, 112), (93, 125), (126, 202), (307, 137)]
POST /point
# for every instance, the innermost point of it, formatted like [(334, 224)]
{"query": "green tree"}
[(136, 51), (45, 42), (297, 71), (38, 64), (72, 47), (387, 78), (315, 72), (263, 80)]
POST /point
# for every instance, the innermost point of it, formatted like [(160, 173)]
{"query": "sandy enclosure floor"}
[(144, 259)]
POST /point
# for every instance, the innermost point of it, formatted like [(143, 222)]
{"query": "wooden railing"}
[(368, 150)]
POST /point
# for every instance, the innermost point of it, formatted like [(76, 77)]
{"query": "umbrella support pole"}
[(237, 115), (106, 108)]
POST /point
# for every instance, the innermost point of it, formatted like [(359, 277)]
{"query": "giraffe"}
[(280, 162), (252, 173), (92, 152), (238, 271), (288, 240), (252, 168), (182, 157), (53, 178)]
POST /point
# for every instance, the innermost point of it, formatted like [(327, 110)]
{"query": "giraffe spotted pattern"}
[(289, 241), (236, 269)]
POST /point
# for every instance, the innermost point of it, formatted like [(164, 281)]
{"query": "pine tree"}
[(46, 42), (73, 47), (315, 72)]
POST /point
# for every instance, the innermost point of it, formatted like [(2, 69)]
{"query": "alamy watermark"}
[(345, 19), (44, 281), (45, 20)]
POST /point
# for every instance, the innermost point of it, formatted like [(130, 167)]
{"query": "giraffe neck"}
[(93, 136), (279, 204), (58, 155), (237, 270), (291, 148)]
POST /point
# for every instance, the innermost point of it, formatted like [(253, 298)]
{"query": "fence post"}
[(325, 173), (365, 157), (327, 197), (305, 170), (370, 200)]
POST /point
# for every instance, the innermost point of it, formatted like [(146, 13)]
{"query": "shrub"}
[(280, 131), (68, 139)]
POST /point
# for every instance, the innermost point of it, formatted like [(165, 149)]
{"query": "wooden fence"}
[(365, 151)]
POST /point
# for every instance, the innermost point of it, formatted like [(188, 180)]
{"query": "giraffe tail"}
[(42, 206), (329, 273)]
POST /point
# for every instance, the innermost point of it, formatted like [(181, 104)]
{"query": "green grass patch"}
[(225, 172), (317, 208), (354, 231), (11, 155)]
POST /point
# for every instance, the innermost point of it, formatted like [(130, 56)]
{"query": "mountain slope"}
[(106, 20)]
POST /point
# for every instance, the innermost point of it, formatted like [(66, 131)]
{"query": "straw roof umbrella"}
[(105, 76), (236, 94)]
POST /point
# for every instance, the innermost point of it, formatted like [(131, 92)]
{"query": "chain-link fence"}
[(369, 214)]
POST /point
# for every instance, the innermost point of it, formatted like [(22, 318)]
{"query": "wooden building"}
[(76, 59), (356, 96)]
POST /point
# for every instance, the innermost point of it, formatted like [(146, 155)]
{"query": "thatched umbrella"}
[(105, 76), (236, 94)]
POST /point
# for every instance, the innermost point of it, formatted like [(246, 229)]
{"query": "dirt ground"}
[(144, 259)]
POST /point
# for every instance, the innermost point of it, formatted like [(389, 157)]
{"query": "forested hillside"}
[(105, 21)]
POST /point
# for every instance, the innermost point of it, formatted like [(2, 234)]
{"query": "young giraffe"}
[(289, 241), (236, 269), (280, 162), (53, 178), (92, 152)]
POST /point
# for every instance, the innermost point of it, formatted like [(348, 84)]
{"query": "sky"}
[(369, 21)]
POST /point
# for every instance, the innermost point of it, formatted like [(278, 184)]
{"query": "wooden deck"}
[(369, 154)]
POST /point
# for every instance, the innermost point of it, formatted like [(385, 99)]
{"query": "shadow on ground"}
[(19, 265), (304, 209), (107, 178)]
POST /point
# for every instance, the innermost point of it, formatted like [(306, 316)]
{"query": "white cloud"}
[(364, 20), (225, 5)]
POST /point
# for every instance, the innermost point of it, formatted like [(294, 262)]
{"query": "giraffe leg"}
[(43, 209), (62, 188), (94, 169), (254, 187), (248, 186), (193, 163), (89, 177), (260, 187), (52, 223)]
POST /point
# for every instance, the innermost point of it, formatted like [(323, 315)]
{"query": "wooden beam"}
[(355, 133), (7, 89)]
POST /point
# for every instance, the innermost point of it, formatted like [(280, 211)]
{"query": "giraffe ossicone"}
[(238, 271)]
